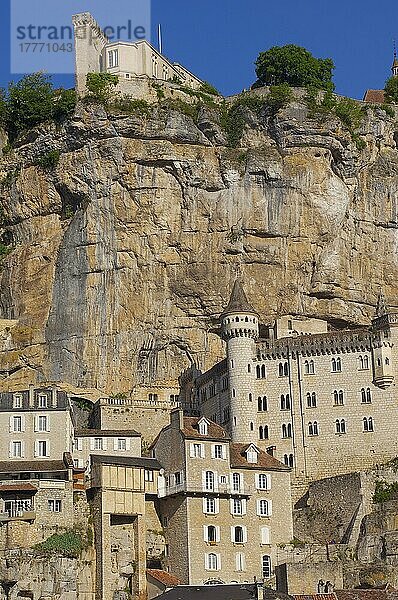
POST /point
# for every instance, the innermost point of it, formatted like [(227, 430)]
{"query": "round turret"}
[(239, 319)]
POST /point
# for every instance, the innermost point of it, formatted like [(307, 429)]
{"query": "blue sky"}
[(220, 40)]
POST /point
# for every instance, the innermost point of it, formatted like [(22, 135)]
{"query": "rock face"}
[(125, 253)]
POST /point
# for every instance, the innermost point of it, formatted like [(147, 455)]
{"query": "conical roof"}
[(238, 302)]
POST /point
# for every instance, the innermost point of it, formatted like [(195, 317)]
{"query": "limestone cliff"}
[(125, 253)]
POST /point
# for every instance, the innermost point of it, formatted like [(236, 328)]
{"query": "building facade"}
[(322, 401), (224, 506)]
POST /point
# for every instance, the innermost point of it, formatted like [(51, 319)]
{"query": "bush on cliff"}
[(71, 543), (99, 86), (391, 90)]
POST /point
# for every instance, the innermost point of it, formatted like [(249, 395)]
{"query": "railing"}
[(20, 509), (221, 489)]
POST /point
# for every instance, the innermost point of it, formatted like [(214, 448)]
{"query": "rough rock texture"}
[(125, 254)]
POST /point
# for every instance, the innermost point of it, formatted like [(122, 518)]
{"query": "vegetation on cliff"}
[(70, 543)]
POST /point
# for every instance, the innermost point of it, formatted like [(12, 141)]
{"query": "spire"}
[(394, 67), (381, 306), (238, 302)]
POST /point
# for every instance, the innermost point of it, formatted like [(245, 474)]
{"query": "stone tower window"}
[(313, 428), (311, 400), (364, 362), (338, 397), (340, 426), (287, 430), (288, 459), (367, 424), (262, 404), (266, 566), (263, 433), (336, 365), (285, 402)]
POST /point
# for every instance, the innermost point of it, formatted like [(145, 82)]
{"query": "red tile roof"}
[(314, 596), (374, 96), (191, 429), (368, 594), (18, 487), (167, 579), (265, 460)]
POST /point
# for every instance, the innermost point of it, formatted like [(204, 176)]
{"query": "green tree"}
[(100, 86), (293, 65), (391, 90), (64, 104), (3, 107), (29, 102)]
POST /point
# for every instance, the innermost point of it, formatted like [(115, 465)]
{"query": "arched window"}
[(314, 428), (263, 372), (211, 533), (250, 397), (265, 536), (336, 365), (286, 460), (280, 369), (266, 566), (238, 535), (262, 404), (263, 508), (212, 562), (311, 367), (209, 481), (251, 426), (263, 432), (291, 461), (311, 400), (340, 426), (287, 430), (310, 429), (338, 397), (285, 402), (368, 396), (258, 371), (236, 482), (366, 362), (368, 424), (249, 368), (363, 396), (306, 367), (286, 369)]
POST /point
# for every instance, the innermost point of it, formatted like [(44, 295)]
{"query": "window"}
[(121, 444), (177, 477), (113, 58), (311, 400), (287, 430), (210, 505), (17, 401), (262, 481), (211, 534), (336, 365), (249, 368), (313, 428), (236, 482), (368, 424), (98, 444), (148, 475), (209, 481), (285, 402), (252, 455), (265, 536), (16, 449), (197, 451), (239, 535), (226, 414), (264, 508), (251, 426), (340, 426), (42, 448), (55, 505), (218, 451), (338, 397), (17, 424), (263, 432), (42, 401), (309, 367), (366, 396), (283, 369), (290, 324), (212, 562), (288, 459), (262, 404), (364, 362), (42, 423), (387, 361), (240, 561), (266, 566), (238, 506)]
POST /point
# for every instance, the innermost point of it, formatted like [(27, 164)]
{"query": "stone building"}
[(324, 402), (109, 442), (36, 424), (225, 506), (128, 60)]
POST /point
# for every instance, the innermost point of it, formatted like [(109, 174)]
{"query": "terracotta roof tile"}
[(106, 433), (375, 96), (367, 594), (167, 579), (265, 460), (34, 465), (18, 487), (191, 429), (331, 596)]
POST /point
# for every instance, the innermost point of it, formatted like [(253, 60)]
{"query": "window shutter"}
[(92, 443), (191, 451), (217, 505), (203, 480), (218, 533), (115, 444), (36, 448), (48, 423), (268, 482), (10, 424), (258, 507), (205, 533), (213, 451), (206, 561), (269, 507), (204, 505), (36, 423), (231, 506), (23, 422), (10, 450), (104, 443), (47, 448), (265, 535), (244, 534), (23, 449), (224, 451), (257, 481), (243, 506), (232, 531), (127, 443), (202, 450), (215, 481), (218, 562), (79, 443)]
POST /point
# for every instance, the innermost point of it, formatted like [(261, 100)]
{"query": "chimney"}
[(31, 395), (54, 396), (177, 418), (270, 450)]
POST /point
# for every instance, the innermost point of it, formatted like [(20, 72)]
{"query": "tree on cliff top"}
[(293, 65), (391, 90)]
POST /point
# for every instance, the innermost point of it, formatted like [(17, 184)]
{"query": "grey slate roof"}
[(240, 591), (134, 461), (238, 301)]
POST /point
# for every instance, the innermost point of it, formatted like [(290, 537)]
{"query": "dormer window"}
[(203, 427), (17, 401), (42, 401), (252, 454)]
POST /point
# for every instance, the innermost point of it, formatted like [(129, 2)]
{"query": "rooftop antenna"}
[(160, 38)]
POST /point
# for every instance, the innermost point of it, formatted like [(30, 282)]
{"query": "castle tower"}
[(239, 323), (385, 333), (90, 41)]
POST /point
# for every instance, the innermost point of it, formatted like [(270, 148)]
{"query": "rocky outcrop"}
[(125, 253)]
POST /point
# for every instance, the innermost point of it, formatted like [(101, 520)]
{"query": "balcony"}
[(17, 511), (223, 489)]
